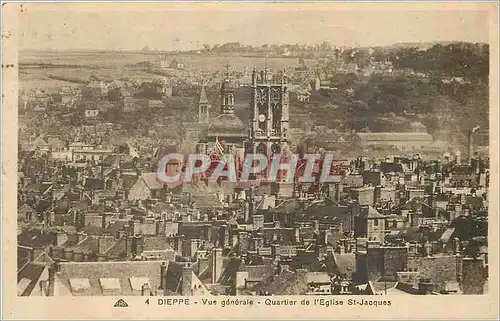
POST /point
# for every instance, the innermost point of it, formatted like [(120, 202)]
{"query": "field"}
[(116, 65)]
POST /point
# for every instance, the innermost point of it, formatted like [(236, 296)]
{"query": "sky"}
[(121, 26)]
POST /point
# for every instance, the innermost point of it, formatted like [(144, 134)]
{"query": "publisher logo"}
[(121, 304)]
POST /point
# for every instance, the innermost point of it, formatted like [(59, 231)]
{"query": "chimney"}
[(203, 261), (145, 289), (216, 264), (258, 241), (377, 194), (179, 242), (128, 243), (68, 254), (163, 272), (134, 245), (352, 245), (297, 236), (132, 227), (81, 236), (127, 230), (338, 191), (458, 158), (469, 145), (234, 239), (187, 281), (428, 249), (195, 243), (243, 241), (140, 244), (104, 242), (61, 238), (276, 250), (316, 226), (346, 244), (105, 220), (52, 278), (32, 254), (325, 236), (425, 286), (78, 256), (456, 246), (223, 231)]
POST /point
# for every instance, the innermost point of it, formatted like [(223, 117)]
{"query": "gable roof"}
[(207, 201), (151, 181), (287, 206), (286, 283), (373, 213), (35, 238), (126, 274), (27, 278), (23, 256), (345, 263)]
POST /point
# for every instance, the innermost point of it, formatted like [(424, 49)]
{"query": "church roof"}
[(228, 125), (203, 96)]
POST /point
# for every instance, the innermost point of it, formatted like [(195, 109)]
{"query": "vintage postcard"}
[(249, 160)]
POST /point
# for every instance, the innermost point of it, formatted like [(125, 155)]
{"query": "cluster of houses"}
[(98, 222)]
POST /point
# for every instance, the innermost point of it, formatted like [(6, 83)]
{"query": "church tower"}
[(227, 95), (203, 107), (227, 128), (269, 118)]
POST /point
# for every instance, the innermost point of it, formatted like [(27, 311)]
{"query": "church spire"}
[(203, 106), (226, 71), (203, 96)]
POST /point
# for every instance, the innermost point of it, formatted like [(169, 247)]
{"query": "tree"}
[(325, 46), (302, 64), (206, 47)]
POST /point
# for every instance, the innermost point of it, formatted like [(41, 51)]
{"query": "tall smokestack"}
[(470, 143), (163, 270)]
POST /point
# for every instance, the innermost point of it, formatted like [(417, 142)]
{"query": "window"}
[(375, 222), (394, 224)]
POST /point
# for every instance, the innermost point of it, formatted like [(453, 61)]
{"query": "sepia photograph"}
[(176, 157)]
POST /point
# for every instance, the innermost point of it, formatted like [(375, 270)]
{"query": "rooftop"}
[(227, 125)]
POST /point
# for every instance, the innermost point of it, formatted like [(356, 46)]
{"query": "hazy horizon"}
[(185, 27)]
